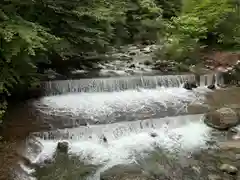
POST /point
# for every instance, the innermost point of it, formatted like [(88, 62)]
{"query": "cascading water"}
[(119, 115), (121, 83)]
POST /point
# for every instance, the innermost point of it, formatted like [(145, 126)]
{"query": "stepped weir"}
[(114, 84), (113, 121)]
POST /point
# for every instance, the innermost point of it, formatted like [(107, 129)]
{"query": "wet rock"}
[(189, 85), (228, 169), (197, 109), (234, 130), (147, 62), (237, 157), (161, 64), (132, 66), (133, 53), (222, 85), (212, 86), (27, 162), (214, 177), (153, 134), (62, 147), (147, 50), (236, 137), (104, 139), (221, 119), (129, 71), (123, 172)]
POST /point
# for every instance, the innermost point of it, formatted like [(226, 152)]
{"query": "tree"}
[(200, 24)]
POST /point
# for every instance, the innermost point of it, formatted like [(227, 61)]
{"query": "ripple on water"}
[(100, 106), (124, 149)]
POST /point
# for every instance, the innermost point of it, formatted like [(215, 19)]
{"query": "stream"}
[(141, 127)]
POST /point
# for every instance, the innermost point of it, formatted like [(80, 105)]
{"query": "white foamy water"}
[(94, 105), (123, 149)]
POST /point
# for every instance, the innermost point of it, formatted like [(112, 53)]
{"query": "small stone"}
[(214, 177), (228, 169), (153, 134), (104, 139)]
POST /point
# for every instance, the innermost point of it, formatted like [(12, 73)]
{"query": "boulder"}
[(189, 85), (228, 169), (62, 147), (221, 119)]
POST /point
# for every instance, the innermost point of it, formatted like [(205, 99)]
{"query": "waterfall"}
[(121, 83), (114, 130)]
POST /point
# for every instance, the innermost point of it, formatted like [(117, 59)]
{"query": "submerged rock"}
[(153, 134), (189, 85), (222, 119), (62, 147), (212, 86), (228, 169)]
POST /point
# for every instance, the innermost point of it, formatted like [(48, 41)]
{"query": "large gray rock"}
[(228, 169), (222, 119)]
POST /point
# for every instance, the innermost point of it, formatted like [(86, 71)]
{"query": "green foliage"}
[(20, 42), (201, 24), (171, 8), (143, 20), (33, 32)]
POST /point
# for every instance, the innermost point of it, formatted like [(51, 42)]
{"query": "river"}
[(117, 128)]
